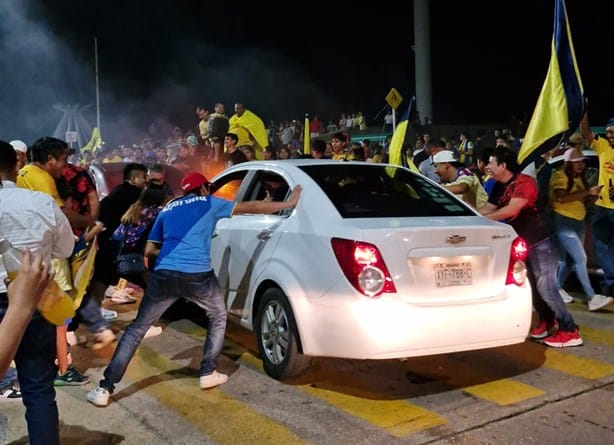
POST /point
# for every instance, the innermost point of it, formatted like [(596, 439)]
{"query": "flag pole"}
[(97, 87)]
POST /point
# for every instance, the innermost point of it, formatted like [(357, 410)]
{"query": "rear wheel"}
[(277, 337)]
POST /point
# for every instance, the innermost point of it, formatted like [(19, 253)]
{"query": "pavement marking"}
[(577, 366), (216, 414), (398, 417), (601, 336), (504, 392), (562, 360), (474, 373)]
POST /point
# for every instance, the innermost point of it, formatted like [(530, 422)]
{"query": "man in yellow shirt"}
[(49, 156), (603, 218)]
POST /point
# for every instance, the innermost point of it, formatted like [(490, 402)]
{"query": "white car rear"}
[(375, 262)]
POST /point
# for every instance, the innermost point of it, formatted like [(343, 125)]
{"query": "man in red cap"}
[(179, 247)]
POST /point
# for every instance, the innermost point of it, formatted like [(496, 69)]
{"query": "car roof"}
[(291, 164), (588, 153)]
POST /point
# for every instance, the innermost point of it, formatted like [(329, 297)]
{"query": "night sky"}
[(159, 59)]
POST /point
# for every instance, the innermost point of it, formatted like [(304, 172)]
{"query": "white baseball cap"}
[(19, 145), (445, 156)]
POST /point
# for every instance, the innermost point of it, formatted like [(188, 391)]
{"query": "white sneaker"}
[(212, 380), (98, 396), (153, 331), (108, 314), (565, 296), (598, 301), (122, 296)]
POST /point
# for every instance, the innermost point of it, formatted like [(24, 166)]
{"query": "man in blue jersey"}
[(180, 241)]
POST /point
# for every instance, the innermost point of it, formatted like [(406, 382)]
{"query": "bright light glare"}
[(364, 255)]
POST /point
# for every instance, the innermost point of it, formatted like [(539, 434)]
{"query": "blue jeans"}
[(36, 371), (542, 263), (164, 288), (7, 380), (603, 242), (90, 314), (570, 234)]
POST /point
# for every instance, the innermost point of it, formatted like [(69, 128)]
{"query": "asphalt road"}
[(522, 394)]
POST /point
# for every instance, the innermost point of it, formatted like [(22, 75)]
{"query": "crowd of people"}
[(49, 207)]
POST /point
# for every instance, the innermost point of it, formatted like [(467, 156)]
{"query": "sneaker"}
[(74, 339), (103, 338), (565, 296), (10, 394), (122, 296), (71, 377), (212, 380), (108, 314), (542, 330), (98, 396), (564, 339), (598, 301), (153, 331)]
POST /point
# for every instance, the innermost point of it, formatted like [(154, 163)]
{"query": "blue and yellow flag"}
[(560, 105), (395, 150)]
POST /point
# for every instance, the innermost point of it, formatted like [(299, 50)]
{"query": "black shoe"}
[(71, 377)]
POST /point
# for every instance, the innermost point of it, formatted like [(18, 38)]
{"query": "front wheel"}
[(277, 337)]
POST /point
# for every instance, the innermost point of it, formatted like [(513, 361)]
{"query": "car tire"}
[(277, 337)]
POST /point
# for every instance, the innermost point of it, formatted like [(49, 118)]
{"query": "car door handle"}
[(265, 234)]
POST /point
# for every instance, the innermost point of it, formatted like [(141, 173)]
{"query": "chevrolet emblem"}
[(456, 239)]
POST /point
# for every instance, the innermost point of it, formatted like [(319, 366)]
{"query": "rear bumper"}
[(362, 328)]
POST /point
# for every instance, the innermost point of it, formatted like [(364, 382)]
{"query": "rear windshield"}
[(377, 190)]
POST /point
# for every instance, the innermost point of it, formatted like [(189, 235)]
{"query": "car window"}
[(361, 191), (227, 186), (268, 185)]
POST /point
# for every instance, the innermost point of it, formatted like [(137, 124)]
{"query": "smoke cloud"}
[(48, 65)]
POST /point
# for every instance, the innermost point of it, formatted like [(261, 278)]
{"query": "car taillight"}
[(517, 269), (363, 266)]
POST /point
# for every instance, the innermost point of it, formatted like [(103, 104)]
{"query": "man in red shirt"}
[(513, 200)]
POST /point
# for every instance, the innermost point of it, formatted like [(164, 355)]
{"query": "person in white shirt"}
[(34, 221)]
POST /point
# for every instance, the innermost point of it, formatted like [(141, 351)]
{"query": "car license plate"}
[(453, 274)]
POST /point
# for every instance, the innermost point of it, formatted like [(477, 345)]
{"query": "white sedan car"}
[(375, 262)]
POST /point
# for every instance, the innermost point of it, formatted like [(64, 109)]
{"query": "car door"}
[(242, 245)]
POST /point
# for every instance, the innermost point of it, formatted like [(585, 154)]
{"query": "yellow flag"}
[(306, 137), (95, 141), (256, 128)]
